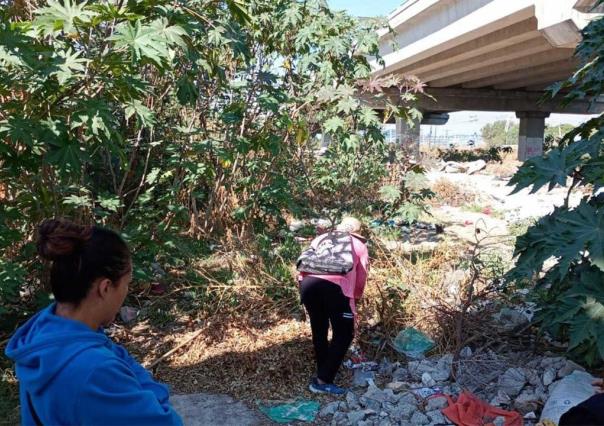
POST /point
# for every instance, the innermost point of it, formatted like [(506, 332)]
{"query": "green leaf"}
[(143, 114), (333, 125), (61, 16), (69, 64)]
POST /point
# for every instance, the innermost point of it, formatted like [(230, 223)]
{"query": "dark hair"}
[(80, 255)]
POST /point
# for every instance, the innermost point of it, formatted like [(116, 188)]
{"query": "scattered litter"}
[(469, 410), (158, 289), (128, 314), (427, 392), (365, 365), (568, 393), (304, 411), (413, 343)]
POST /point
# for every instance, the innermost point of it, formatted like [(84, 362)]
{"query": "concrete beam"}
[(548, 79), (516, 75), (498, 56), (493, 16), (588, 6), (508, 36), (531, 134), (518, 64), (446, 100)]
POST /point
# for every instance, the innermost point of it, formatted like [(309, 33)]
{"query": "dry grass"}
[(506, 168), (449, 193)]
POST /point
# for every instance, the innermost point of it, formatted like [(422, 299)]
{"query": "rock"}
[(436, 417), (128, 314), (437, 403), (361, 378), (568, 368), (526, 402), (158, 271), (476, 166), (329, 409), (499, 421), (532, 377), (465, 353), (355, 417), (427, 380), (419, 418), (555, 363), (397, 386), (296, 225), (541, 393), (386, 367), (370, 403), (501, 399), (510, 319), (353, 401), (203, 409), (403, 410), (455, 167), (549, 376), (339, 418), (512, 381), (442, 371), (400, 374)]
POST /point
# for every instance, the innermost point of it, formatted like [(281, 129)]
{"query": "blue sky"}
[(367, 8)]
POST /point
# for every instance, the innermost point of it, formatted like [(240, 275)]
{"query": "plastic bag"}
[(413, 343), (304, 411), (568, 393)]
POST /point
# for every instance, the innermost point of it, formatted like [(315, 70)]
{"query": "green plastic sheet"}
[(304, 411), (413, 343)]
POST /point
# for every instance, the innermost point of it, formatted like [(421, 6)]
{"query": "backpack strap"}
[(33, 411)]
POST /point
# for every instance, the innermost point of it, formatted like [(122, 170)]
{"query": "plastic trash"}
[(413, 343), (303, 410), (568, 393), (427, 392)]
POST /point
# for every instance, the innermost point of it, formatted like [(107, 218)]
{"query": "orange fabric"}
[(469, 410)]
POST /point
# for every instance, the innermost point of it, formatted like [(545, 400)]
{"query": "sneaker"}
[(316, 387)]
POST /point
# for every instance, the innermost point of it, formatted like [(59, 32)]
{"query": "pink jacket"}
[(353, 283)]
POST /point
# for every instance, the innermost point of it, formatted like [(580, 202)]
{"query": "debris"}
[(427, 380), (353, 401), (419, 418), (354, 417), (128, 314), (469, 410), (427, 392), (157, 288), (512, 381), (361, 377), (436, 403), (526, 402), (475, 166), (304, 411), (570, 391), (510, 319), (569, 367), (413, 343), (549, 376), (329, 409)]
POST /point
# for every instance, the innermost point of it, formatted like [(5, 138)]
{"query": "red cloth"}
[(468, 410)]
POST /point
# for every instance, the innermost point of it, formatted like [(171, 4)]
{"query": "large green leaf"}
[(62, 16)]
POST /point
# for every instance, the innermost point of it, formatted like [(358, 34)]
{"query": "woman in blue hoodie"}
[(69, 371)]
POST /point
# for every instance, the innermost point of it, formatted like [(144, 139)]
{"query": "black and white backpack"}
[(330, 253)]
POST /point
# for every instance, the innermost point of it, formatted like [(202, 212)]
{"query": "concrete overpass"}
[(487, 55)]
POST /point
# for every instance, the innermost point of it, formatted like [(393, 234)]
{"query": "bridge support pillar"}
[(407, 137), (530, 138)]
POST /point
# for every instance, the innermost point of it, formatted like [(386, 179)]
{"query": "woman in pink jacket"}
[(331, 299)]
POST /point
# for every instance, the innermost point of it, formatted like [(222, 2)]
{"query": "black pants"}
[(325, 304), (588, 413)]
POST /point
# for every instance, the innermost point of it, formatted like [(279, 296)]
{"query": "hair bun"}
[(60, 237)]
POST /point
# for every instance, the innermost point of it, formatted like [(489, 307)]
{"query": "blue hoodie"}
[(75, 375)]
